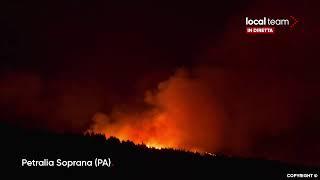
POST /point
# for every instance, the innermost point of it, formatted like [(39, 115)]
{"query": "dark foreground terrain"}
[(127, 159)]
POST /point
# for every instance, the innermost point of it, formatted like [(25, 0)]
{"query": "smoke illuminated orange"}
[(155, 132), (179, 118)]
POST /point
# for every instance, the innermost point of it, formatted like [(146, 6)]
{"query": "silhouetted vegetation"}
[(128, 159)]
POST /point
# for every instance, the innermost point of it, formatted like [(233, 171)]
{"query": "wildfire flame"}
[(178, 118), (156, 146), (155, 132)]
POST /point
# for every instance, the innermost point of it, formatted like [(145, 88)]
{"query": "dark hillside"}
[(127, 159)]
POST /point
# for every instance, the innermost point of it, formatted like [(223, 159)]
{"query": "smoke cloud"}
[(182, 113), (220, 110)]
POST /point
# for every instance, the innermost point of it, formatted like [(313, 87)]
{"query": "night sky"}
[(64, 61)]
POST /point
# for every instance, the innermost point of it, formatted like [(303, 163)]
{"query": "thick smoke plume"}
[(219, 110), (183, 114)]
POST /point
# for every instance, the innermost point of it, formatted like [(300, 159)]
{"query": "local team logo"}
[(267, 25)]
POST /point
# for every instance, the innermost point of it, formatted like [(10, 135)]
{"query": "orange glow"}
[(178, 118), (155, 131), (156, 146)]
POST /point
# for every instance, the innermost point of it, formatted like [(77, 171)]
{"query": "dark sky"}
[(63, 61), (115, 48)]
